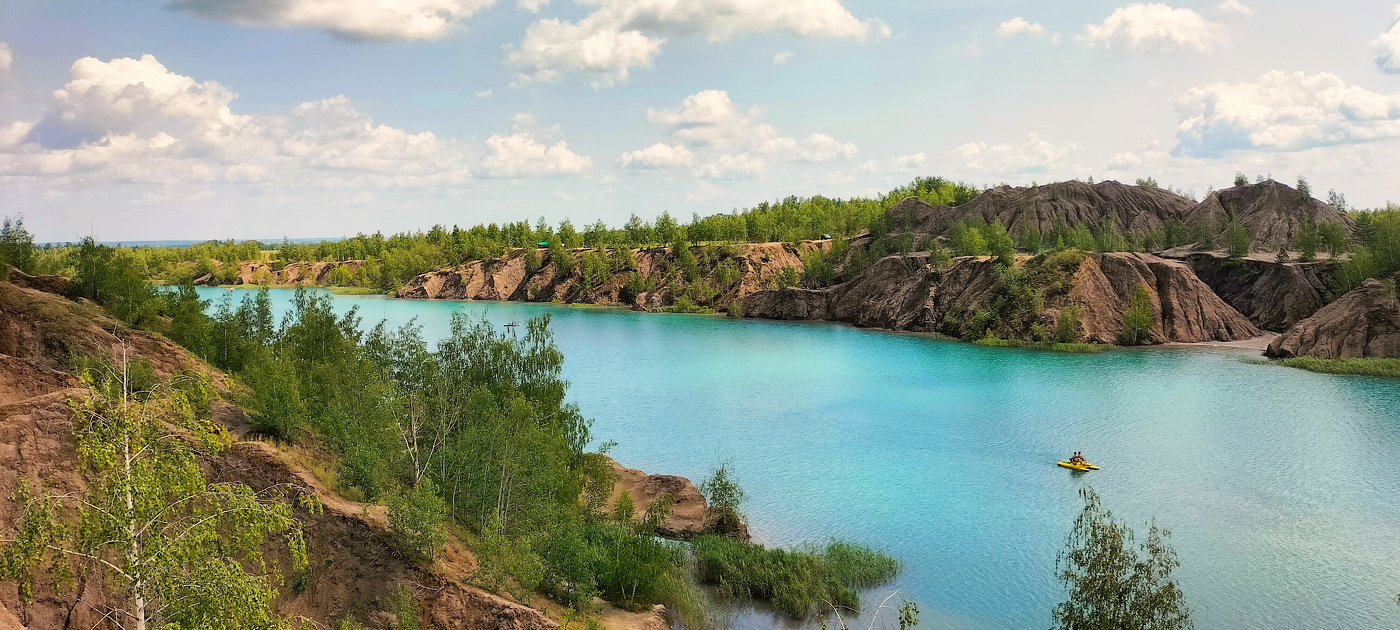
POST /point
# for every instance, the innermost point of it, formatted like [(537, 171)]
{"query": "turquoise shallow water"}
[(1281, 487)]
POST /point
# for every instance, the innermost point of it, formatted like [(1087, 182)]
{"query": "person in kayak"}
[(1076, 458)]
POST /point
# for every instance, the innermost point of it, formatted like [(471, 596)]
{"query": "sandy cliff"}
[(1363, 323)]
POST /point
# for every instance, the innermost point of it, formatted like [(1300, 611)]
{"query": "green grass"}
[(1070, 348), (797, 581), (1388, 368)]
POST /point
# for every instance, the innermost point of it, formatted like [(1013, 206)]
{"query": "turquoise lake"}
[(1281, 487)]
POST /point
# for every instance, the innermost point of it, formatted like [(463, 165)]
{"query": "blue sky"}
[(149, 119)]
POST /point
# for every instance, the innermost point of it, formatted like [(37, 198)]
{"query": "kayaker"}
[(1076, 458)]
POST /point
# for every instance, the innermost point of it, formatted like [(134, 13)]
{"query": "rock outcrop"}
[(904, 293), (688, 514), (756, 266), (1273, 295), (1272, 213), (1135, 210), (1363, 323), (259, 272)]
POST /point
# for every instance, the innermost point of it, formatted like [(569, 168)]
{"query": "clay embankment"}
[(296, 274), (904, 293), (508, 278), (1364, 323), (353, 568)]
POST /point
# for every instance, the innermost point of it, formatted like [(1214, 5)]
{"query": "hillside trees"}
[(1138, 319), (16, 245), (181, 552)]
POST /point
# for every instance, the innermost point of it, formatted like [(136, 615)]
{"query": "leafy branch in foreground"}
[(179, 552), (1113, 584)]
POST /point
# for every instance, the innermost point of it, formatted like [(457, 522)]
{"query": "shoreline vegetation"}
[(1362, 366)]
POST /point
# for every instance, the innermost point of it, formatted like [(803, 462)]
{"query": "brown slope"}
[(1363, 323), (1273, 295), (904, 293), (353, 568), (1272, 213), (1131, 209)]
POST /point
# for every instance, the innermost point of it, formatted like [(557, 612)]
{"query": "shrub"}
[(1138, 320), (418, 521), (796, 582), (1067, 324)]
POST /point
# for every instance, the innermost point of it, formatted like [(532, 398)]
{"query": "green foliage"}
[(1017, 308), (418, 521), (1333, 237), (1031, 241), (1241, 179), (1138, 319), (112, 278), (797, 582), (1237, 239), (968, 238), (1367, 366), (1304, 190), (999, 244), (404, 608), (176, 551), (532, 260), (563, 261), (1114, 584), (1203, 234), (786, 277), (16, 245), (818, 269), (1067, 324), (594, 271), (274, 401), (624, 510), (726, 274), (1378, 254), (1147, 182)]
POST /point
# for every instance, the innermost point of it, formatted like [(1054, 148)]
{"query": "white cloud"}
[(523, 154), (1283, 112), (783, 57), (1387, 47), (1019, 26), (1035, 155), (733, 167), (533, 6), (485, 94), (375, 20), (133, 120), (1235, 7), (624, 34), (908, 163), (709, 120), (1154, 28), (659, 155), (7, 57)]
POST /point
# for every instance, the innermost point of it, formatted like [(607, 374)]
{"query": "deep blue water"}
[(1281, 487)]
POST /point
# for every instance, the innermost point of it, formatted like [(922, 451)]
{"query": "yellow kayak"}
[(1083, 466)]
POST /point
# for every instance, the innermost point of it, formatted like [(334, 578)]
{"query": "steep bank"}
[(354, 568), (656, 277), (1273, 295), (323, 273), (1364, 323), (973, 296)]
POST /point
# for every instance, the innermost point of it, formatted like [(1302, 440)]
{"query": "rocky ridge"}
[(509, 278), (1364, 323), (905, 293)]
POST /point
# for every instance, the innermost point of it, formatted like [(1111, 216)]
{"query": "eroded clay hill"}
[(1132, 210), (1273, 295), (1363, 323), (904, 293), (354, 569), (509, 278), (1272, 213), (297, 273)]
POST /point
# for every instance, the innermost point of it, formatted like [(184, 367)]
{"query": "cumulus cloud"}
[(710, 120), (733, 167), (659, 155), (7, 57), (1153, 28), (523, 153), (624, 34), (908, 163), (533, 6), (1387, 47), (374, 20), (485, 94), (133, 120), (1019, 26), (1283, 112), (783, 57), (1235, 7), (1035, 155)]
